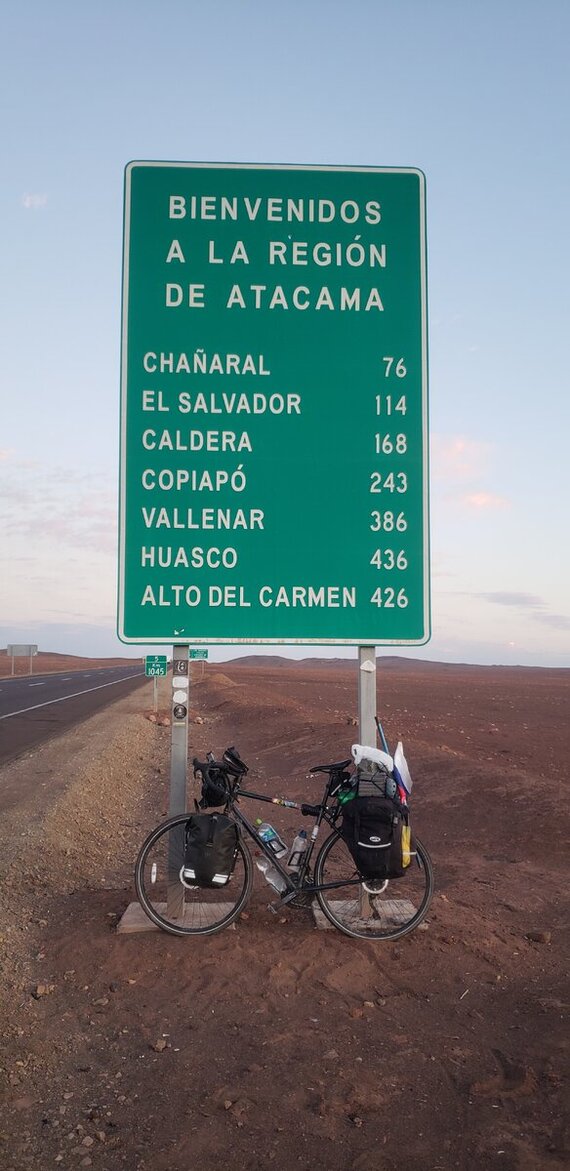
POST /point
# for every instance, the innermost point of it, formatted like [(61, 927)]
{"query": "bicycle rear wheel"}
[(392, 909), (173, 905)]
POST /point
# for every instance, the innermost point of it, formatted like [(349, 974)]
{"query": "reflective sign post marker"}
[(178, 771), (367, 695)]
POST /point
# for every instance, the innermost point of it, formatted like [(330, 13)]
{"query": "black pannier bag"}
[(210, 851), (377, 832)]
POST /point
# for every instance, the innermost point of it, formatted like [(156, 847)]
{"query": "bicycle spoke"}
[(172, 902), (372, 911)]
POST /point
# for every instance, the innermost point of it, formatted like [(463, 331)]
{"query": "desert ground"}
[(274, 1044)]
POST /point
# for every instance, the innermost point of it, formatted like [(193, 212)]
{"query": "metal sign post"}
[(202, 655), (367, 726), (179, 757), (21, 650), (155, 666), (367, 695), (178, 774)]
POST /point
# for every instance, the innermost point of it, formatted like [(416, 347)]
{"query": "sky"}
[(476, 95)]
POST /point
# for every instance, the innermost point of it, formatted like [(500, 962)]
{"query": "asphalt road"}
[(35, 708)]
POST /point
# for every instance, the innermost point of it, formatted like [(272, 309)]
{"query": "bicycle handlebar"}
[(231, 764)]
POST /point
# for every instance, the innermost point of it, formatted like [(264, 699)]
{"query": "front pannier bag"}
[(210, 849)]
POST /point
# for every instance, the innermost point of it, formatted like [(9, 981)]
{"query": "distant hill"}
[(383, 662), (265, 661), (79, 658), (46, 662), (389, 662)]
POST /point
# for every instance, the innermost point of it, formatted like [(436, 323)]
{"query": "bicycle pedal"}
[(271, 908)]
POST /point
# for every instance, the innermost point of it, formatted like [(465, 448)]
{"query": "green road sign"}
[(274, 405), (155, 665), (198, 654)]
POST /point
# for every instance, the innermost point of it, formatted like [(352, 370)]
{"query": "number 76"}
[(399, 369)]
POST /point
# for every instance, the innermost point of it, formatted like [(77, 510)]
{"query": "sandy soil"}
[(274, 1044)]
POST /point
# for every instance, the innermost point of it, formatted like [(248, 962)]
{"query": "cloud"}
[(32, 202), (455, 458), (485, 501), (537, 606), (58, 505), (507, 598), (449, 319), (67, 524), (462, 465), (556, 621)]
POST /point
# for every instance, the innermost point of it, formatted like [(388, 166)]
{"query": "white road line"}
[(47, 702), (37, 684)]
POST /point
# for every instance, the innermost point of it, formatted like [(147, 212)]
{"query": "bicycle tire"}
[(162, 894), (385, 915)]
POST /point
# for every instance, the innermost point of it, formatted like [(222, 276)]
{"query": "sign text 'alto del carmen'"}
[(274, 405)]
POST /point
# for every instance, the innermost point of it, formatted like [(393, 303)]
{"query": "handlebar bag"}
[(215, 788), (377, 833), (210, 849)]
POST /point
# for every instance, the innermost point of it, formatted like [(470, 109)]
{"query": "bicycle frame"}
[(197, 911), (296, 884)]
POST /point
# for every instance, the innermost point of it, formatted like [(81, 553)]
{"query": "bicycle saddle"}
[(330, 768)]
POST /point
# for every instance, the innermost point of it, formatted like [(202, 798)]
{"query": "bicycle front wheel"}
[(178, 907), (386, 910)]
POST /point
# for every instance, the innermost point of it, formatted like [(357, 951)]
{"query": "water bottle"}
[(271, 874), (271, 838), (297, 850)]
